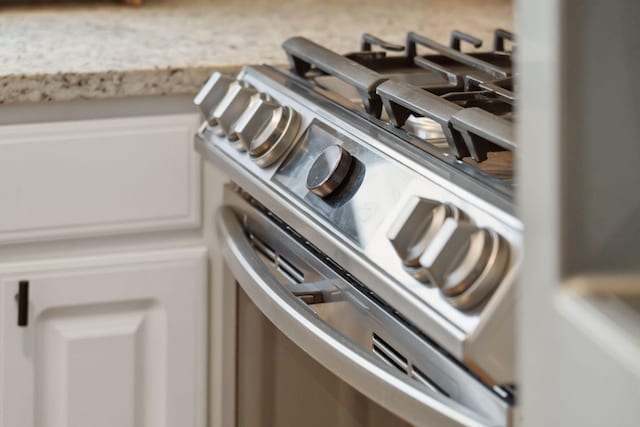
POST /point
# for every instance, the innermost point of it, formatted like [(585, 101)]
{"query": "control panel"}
[(418, 240)]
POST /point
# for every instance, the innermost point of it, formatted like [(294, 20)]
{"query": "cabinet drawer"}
[(95, 177)]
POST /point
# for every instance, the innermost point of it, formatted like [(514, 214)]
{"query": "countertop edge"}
[(55, 87)]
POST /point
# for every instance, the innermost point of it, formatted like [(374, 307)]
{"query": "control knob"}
[(211, 94), (466, 262), (231, 107), (414, 229), (256, 116), (329, 170), (275, 136)]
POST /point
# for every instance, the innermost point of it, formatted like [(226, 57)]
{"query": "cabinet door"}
[(98, 177), (118, 340)]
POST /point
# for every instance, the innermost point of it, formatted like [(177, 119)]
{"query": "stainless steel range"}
[(370, 222)]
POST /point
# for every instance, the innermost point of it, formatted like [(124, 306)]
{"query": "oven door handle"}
[(348, 362)]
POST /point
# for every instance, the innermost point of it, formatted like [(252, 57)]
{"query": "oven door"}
[(314, 348)]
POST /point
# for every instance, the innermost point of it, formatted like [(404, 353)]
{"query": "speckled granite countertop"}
[(94, 50)]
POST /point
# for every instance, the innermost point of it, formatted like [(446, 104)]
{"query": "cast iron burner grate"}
[(454, 100)]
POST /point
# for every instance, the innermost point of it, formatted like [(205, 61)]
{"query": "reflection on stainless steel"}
[(498, 164), (427, 129), (350, 333), (336, 86)]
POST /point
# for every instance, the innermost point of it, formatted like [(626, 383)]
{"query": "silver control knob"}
[(416, 225), (275, 136), (255, 117), (231, 107), (465, 262), (211, 94), (329, 170)]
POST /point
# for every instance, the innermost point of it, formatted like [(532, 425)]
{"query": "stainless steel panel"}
[(352, 211)]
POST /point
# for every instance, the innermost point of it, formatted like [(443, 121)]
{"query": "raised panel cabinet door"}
[(116, 340)]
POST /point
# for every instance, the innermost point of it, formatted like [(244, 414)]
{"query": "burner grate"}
[(469, 95)]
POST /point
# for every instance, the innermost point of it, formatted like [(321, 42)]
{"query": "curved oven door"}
[(394, 376)]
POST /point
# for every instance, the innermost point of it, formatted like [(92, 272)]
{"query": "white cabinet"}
[(113, 340)]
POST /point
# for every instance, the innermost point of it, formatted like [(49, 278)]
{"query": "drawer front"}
[(96, 177)]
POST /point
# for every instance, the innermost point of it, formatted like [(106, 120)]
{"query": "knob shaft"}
[(211, 94), (329, 170)]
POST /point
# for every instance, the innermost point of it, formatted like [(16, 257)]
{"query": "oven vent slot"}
[(287, 269), (392, 357), (284, 267), (263, 248), (389, 355)]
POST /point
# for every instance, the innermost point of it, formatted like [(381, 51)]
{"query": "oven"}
[(315, 347), (369, 242)]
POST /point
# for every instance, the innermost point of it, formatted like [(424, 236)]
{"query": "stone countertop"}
[(97, 50)]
